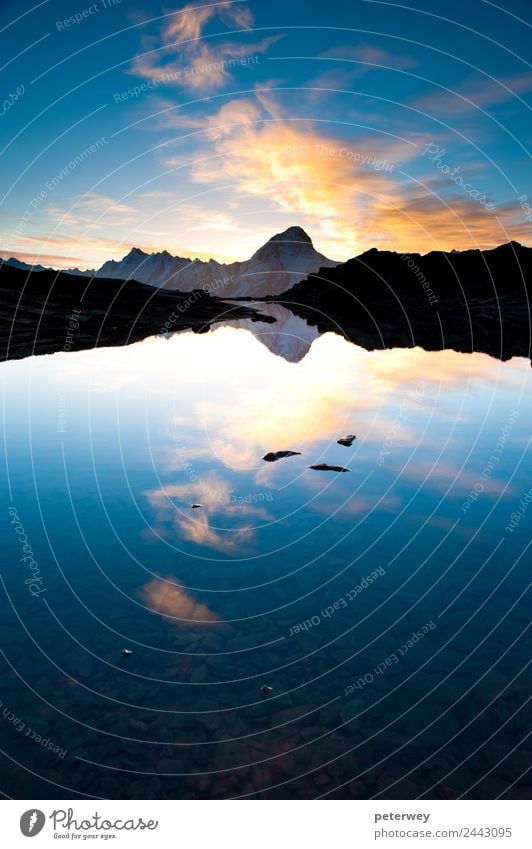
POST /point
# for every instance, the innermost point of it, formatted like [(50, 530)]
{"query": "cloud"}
[(220, 222), (237, 16), (475, 91), (297, 168), (53, 260), (367, 54), (197, 526), (94, 212), (421, 221), (200, 532), (165, 597), (183, 58), (438, 473), (96, 249), (345, 192), (188, 22)]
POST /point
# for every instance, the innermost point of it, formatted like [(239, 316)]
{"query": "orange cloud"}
[(53, 260), (200, 532), (299, 170), (165, 597), (351, 195), (422, 221)]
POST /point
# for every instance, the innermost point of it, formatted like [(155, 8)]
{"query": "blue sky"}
[(205, 128)]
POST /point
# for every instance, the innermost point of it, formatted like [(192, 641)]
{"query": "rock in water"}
[(126, 652), (272, 456), (266, 690), (324, 467), (347, 440)]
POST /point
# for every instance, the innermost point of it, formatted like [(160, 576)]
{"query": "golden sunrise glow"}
[(348, 196)]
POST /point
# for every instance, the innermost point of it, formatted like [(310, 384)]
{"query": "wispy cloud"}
[(171, 505), (294, 167), (182, 57), (368, 54), (346, 193), (94, 212), (189, 22), (54, 260), (475, 91)]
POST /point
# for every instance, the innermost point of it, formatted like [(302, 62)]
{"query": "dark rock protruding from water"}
[(346, 440), (272, 456), (325, 467)]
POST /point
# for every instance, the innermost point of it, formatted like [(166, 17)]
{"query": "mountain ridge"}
[(286, 257), (468, 300)]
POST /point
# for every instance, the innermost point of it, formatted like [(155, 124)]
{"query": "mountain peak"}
[(292, 234), (136, 252), (284, 259)]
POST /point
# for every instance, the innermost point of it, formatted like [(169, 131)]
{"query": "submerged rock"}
[(324, 467), (347, 440), (272, 456)]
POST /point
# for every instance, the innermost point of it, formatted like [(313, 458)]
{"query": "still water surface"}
[(387, 607)]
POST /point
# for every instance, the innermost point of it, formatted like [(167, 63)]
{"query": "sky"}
[(204, 129)]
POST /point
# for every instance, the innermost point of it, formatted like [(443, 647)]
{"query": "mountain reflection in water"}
[(106, 452)]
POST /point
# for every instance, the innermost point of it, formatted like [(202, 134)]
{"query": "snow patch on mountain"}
[(285, 259)]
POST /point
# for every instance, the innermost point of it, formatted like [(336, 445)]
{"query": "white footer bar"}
[(267, 824)]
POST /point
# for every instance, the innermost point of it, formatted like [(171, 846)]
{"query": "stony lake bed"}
[(192, 621)]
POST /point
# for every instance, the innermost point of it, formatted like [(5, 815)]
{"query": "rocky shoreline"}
[(48, 311)]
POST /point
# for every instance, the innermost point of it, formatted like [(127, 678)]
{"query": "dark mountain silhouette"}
[(23, 266), (466, 300), (47, 311)]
